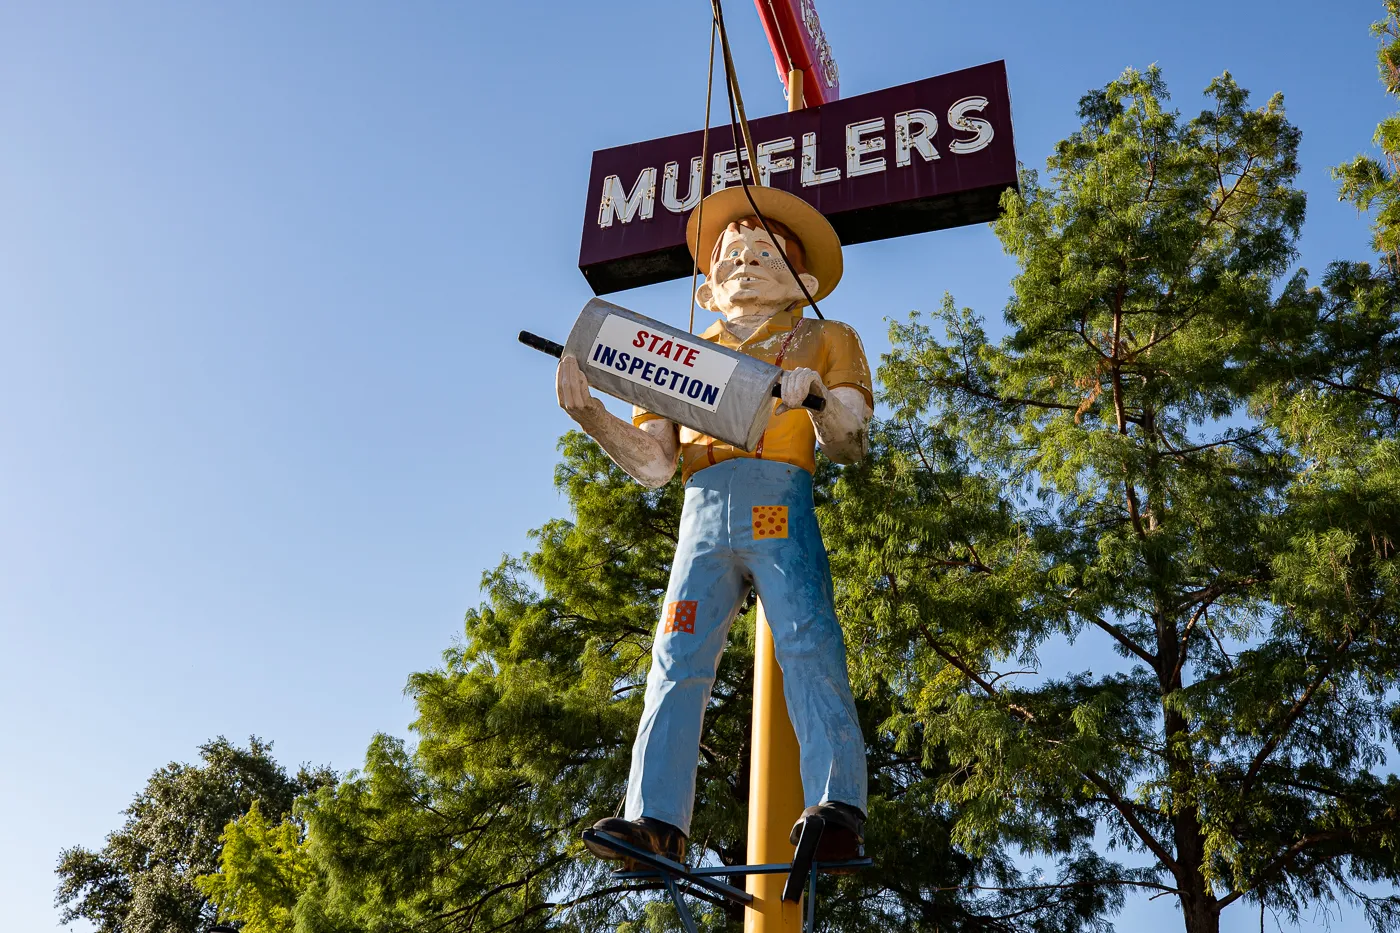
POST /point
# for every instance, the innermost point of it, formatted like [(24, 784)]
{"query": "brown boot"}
[(655, 836), (843, 835)]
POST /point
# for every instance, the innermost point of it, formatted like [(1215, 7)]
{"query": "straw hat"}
[(820, 244)]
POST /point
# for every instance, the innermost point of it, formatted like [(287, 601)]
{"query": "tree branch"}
[(1124, 808), (1126, 811), (1181, 452), (1381, 396), (1122, 638), (1185, 642), (1292, 852), (1117, 882), (1288, 720), (1025, 714), (1000, 400)]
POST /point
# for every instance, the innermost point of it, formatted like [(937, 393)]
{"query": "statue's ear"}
[(703, 294), (810, 281)]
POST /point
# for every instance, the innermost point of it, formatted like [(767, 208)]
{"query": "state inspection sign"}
[(923, 156), (691, 371)]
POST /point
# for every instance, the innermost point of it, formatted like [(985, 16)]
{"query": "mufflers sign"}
[(923, 156)]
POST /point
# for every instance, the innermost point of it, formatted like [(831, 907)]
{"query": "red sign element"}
[(795, 34), (923, 156)]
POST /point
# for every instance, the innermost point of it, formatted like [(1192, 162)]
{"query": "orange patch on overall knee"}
[(680, 616), (770, 521)]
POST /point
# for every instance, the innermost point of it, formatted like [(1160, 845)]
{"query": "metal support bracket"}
[(812, 828), (684, 911), (703, 882)]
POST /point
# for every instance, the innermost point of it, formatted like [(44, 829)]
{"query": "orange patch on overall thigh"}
[(770, 521), (680, 616)]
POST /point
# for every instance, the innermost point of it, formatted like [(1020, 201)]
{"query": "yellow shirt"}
[(830, 348)]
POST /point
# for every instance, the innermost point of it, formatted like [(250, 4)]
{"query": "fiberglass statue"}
[(748, 520)]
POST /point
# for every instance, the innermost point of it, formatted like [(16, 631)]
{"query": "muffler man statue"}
[(748, 520)]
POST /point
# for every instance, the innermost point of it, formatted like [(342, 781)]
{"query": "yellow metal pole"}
[(795, 90), (775, 776), (775, 790)]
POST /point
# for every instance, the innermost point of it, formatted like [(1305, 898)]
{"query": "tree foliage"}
[(1370, 183), (143, 879), (1133, 464), (265, 872)]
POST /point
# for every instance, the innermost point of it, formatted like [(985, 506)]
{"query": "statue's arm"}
[(841, 425), (647, 454)]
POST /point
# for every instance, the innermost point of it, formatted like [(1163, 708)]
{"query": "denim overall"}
[(747, 522)]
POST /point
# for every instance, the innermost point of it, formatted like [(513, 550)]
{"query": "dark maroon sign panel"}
[(923, 156)]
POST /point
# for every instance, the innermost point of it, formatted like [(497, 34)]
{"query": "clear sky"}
[(263, 422)]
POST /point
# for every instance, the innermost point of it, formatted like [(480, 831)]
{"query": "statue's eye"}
[(765, 254), (733, 254)]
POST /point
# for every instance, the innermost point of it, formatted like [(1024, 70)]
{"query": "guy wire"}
[(735, 122), (704, 170)]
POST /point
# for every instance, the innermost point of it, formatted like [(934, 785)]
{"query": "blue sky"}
[(263, 422)]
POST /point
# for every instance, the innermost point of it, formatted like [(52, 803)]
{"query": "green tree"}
[(143, 879), (265, 871), (1370, 183), (1123, 467), (1333, 354), (524, 738)]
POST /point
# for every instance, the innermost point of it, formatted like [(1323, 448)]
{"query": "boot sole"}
[(604, 852), (838, 844), (612, 855)]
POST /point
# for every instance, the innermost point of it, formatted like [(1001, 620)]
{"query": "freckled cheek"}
[(775, 264)]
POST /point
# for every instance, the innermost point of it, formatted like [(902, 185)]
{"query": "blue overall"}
[(721, 553)]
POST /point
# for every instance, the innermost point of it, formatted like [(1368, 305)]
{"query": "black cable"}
[(731, 87), (704, 170)]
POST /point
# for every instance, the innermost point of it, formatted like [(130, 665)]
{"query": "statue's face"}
[(750, 276)]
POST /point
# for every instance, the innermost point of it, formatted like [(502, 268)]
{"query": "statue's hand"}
[(796, 386), (572, 387)]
